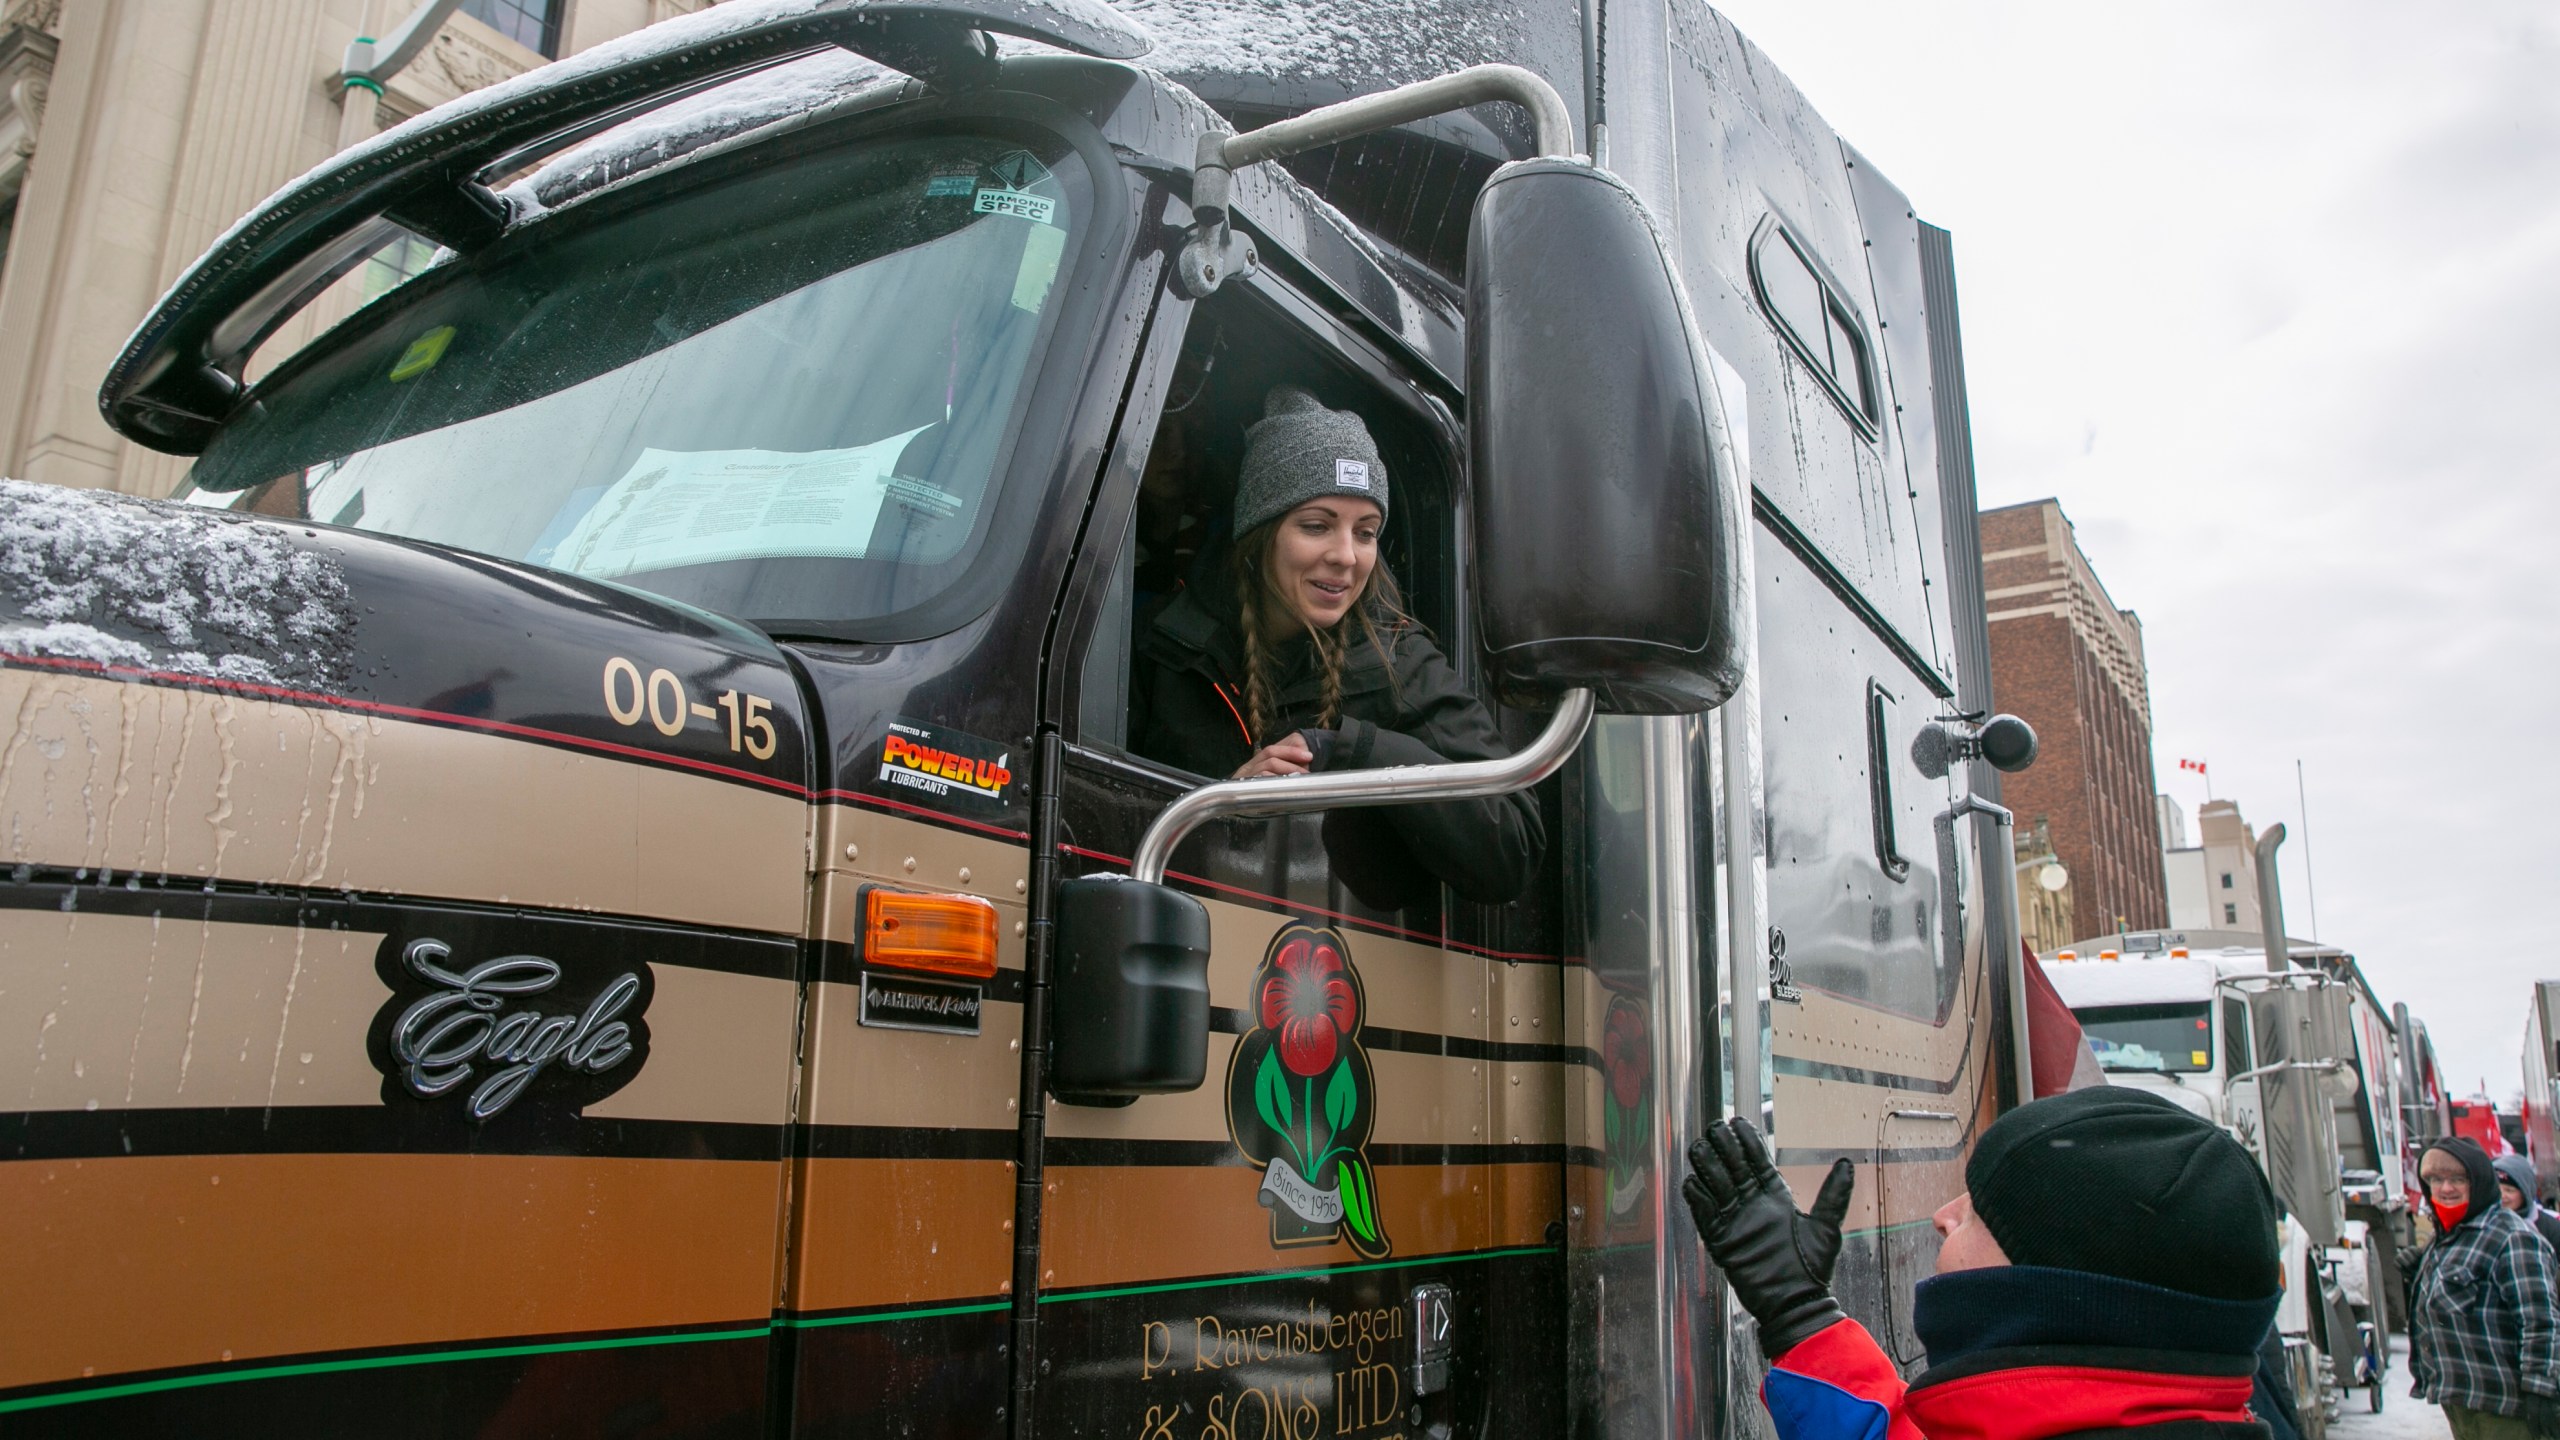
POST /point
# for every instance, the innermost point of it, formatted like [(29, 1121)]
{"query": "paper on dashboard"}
[(674, 508)]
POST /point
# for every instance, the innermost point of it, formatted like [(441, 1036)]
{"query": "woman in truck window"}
[(1296, 655)]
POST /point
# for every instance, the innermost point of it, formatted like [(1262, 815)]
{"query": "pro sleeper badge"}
[(946, 769)]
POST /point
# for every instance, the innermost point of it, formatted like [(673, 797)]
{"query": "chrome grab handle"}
[(1337, 790), (2000, 889)]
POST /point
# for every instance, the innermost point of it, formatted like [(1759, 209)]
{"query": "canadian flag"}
[(2195, 765)]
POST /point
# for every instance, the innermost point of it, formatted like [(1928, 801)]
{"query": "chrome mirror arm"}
[(1215, 251), (1343, 789)]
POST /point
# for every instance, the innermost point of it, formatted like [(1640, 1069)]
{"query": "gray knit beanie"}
[(1300, 451)]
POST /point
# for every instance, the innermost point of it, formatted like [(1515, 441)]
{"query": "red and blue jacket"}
[(2023, 1353)]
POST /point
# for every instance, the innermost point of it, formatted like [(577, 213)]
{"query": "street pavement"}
[(2402, 1417)]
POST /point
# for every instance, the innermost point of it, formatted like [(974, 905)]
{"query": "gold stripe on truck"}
[(123, 1012), (149, 1262), (1120, 1225), (857, 846), (908, 1079), (104, 774), (128, 1012), (901, 1232), (1422, 1100), (719, 1051)]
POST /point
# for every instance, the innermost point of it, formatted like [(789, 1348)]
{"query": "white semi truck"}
[(2302, 1064), (2541, 1067)]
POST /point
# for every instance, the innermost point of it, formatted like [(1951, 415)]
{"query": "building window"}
[(396, 264), (1816, 321), (2230, 914), (2226, 879), (534, 24)]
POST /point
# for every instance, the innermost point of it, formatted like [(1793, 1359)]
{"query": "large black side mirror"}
[(1605, 530), (1130, 1007)]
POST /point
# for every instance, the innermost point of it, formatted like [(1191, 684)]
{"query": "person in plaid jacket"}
[(2485, 1306)]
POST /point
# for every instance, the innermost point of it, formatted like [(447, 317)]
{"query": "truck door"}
[(1355, 1242)]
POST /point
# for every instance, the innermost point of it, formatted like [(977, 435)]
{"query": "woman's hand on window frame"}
[(1288, 755)]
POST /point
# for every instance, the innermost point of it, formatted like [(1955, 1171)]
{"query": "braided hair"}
[(1265, 619)]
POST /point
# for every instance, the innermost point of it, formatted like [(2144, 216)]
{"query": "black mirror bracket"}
[(2006, 741), (1214, 251)]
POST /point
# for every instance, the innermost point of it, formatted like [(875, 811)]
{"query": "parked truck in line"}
[(2535, 1112), (592, 877), (2305, 1066)]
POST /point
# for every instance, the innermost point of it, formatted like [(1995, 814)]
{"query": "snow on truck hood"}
[(105, 579)]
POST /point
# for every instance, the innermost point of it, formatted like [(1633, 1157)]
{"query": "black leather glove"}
[(2542, 1415), (1777, 1261)]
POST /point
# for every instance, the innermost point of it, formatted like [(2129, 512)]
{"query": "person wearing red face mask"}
[(2485, 1306)]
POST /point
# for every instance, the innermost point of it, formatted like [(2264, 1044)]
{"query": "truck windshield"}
[(788, 395), (2159, 1039)]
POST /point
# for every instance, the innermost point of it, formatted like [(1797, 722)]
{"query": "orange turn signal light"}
[(946, 934)]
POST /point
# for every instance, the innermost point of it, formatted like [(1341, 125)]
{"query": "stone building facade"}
[(133, 132), (2213, 884), (2066, 659), (2045, 920)]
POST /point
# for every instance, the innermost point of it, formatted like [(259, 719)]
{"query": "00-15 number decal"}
[(660, 699)]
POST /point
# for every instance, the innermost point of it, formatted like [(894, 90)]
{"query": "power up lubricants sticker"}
[(945, 769)]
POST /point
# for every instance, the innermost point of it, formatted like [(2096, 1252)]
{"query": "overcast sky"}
[(2268, 296)]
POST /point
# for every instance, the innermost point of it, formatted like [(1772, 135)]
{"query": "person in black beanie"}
[(2484, 1306), (2111, 1265), (1297, 655)]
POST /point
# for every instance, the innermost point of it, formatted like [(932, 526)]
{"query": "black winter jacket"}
[(1187, 709)]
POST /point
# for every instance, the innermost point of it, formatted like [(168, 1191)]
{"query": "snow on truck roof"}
[(1291, 37), (2087, 984), (1181, 41)]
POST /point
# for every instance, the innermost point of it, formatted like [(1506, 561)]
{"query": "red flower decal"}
[(1624, 1055), (1309, 1003)]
